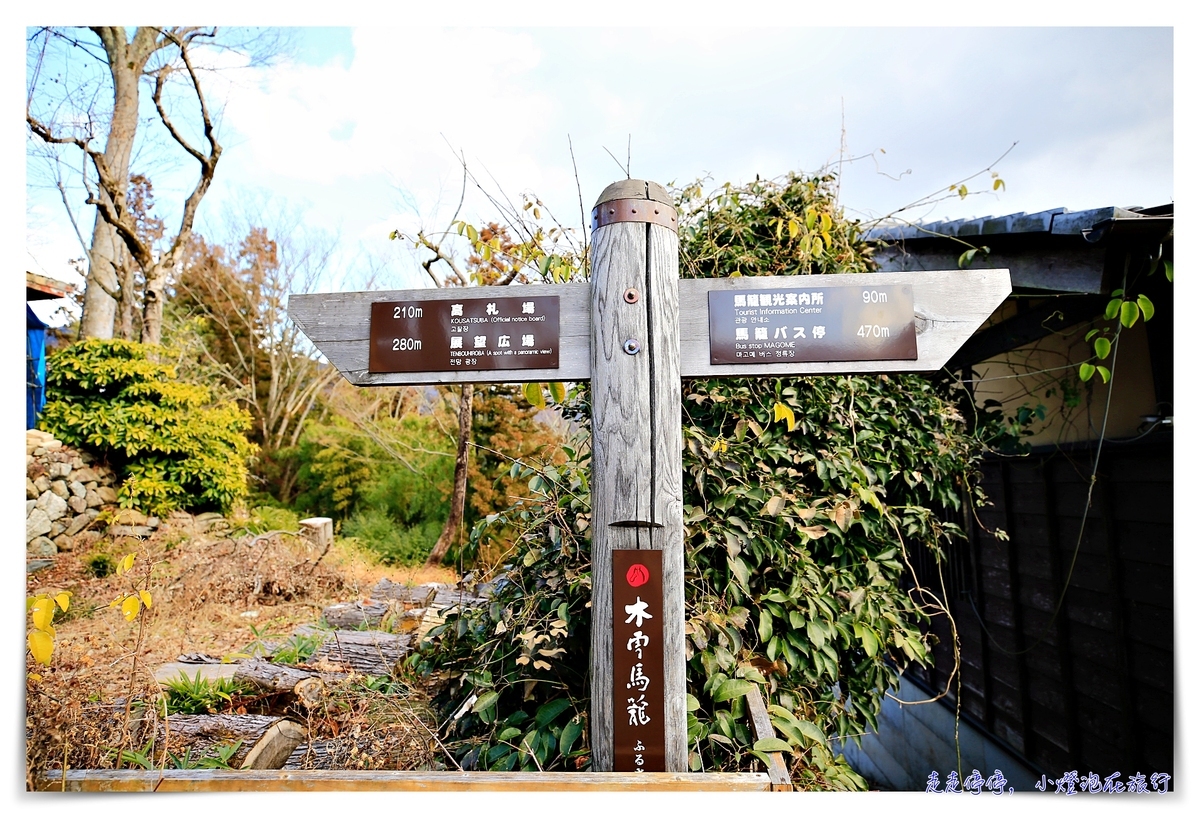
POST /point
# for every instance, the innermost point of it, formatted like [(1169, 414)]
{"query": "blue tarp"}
[(35, 367)]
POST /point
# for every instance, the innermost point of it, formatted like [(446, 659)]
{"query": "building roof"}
[(40, 288), (1057, 222)]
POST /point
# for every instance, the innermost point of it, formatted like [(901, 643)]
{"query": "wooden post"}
[(636, 442)]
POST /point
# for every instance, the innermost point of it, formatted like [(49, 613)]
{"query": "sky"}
[(355, 132)]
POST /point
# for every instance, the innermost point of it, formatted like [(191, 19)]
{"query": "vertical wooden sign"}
[(637, 629), (637, 478)]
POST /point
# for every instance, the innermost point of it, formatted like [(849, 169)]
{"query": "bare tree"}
[(65, 109), (245, 337)]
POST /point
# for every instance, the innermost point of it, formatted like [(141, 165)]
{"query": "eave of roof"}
[(40, 288), (1058, 221)]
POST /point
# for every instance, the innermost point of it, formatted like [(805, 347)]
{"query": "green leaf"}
[(732, 689), (869, 642), (485, 701), (1113, 307), (765, 628), (558, 392), (507, 734), (1105, 374), (1086, 371), (1147, 307), (692, 703), (570, 734), (549, 711), (811, 731), (1169, 267), (739, 570), (772, 745), (966, 258), (1129, 313), (1102, 347)]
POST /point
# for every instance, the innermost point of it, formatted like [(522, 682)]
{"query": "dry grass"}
[(211, 590)]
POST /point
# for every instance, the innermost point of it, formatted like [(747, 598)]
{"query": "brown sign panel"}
[(639, 735), (822, 323), (520, 332)]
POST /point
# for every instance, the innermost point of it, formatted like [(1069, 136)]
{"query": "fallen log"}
[(311, 755), (263, 677), (374, 653), (416, 596), (351, 615), (266, 741)]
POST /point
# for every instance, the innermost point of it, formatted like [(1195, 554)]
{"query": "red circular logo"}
[(637, 575)]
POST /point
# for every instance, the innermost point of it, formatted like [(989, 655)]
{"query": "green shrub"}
[(271, 518), (174, 447), (196, 695), (393, 543), (100, 565)]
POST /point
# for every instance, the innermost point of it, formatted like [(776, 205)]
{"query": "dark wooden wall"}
[(1090, 688)]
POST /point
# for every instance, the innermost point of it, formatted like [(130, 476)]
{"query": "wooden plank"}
[(949, 305), (339, 324), (760, 720), (394, 781)]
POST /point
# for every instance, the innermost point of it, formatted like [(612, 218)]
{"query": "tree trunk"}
[(128, 299), (125, 63), (100, 308), (458, 496), (152, 305)]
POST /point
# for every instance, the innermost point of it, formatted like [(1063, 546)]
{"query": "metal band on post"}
[(635, 210)]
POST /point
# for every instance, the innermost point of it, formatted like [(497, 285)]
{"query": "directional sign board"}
[(823, 323), (424, 335), (947, 306)]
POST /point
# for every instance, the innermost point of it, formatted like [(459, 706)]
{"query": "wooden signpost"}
[(634, 330)]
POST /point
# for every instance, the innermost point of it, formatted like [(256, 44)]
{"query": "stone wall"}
[(65, 491)]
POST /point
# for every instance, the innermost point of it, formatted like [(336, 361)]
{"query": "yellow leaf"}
[(533, 394), (784, 412), (125, 564), (793, 228), (41, 645), (826, 223), (145, 595), (42, 613), (63, 600), (130, 607), (538, 664)]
